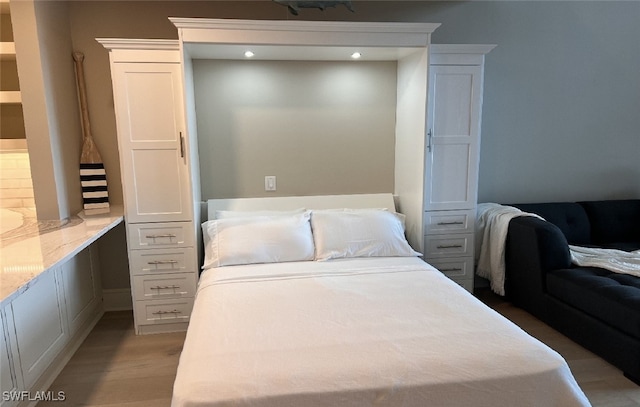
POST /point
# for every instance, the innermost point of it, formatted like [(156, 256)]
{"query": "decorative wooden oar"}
[(93, 176)]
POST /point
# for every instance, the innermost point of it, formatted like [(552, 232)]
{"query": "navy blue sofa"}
[(594, 307)]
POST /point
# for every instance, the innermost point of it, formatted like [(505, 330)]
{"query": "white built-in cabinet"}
[(43, 325), (39, 321), (10, 376), (150, 131), (155, 116), (452, 156), (405, 43), (437, 136), (159, 198)]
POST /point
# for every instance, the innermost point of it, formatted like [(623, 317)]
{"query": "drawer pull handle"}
[(450, 246), (450, 223), (164, 287), (169, 235), (175, 311), (450, 270), (157, 262)]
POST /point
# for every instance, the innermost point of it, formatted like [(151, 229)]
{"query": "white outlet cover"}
[(270, 183)]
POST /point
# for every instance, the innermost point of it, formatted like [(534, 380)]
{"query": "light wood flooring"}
[(114, 367), (603, 384)]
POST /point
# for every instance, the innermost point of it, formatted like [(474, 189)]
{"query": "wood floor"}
[(604, 385), (114, 367)]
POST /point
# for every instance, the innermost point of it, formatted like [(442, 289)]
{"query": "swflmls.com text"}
[(33, 396)]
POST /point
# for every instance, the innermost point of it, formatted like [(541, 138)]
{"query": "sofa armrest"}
[(533, 248)]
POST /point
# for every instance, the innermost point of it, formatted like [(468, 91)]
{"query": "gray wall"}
[(320, 127)]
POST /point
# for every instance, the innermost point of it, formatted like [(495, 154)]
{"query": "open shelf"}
[(7, 50), (10, 97)]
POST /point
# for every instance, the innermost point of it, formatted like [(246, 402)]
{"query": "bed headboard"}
[(355, 201)]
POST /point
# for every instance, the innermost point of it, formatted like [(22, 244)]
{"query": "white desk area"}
[(50, 294)]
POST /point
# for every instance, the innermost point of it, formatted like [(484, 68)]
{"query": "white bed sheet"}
[(358, 332)]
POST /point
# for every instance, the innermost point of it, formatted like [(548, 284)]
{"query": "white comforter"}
[(358, 332)]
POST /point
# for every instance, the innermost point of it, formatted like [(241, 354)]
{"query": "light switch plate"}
[(270, 183)]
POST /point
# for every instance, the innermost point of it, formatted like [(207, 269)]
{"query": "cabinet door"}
[(40, 330), (453, 138), (8, 375), (150, 120), (81, 290)]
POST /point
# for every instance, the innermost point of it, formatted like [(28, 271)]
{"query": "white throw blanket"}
[(614, 260), (492, 225)]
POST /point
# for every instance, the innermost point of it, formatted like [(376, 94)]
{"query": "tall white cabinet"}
[(452, 156), (157, 164)]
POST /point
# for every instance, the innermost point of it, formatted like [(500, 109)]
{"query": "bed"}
[(367, 325)]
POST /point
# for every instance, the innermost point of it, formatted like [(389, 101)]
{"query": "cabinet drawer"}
[(163, 311), (455, 268), (439, 222), (166, 234), (158, 261), (448, 246), (164, 286)]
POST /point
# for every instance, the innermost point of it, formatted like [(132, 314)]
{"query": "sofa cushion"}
[(610, 297), (570, 217), (613, 221)]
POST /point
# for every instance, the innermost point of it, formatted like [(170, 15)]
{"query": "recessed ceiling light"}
[(356, 55), (248, 54)]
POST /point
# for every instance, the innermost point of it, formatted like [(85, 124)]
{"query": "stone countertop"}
[(29, 247)]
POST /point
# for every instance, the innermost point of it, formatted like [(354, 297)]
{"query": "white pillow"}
[(260, 239), (248, 214), (359, 233)]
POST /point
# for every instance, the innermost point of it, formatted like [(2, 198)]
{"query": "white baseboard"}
[(117, 299)]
